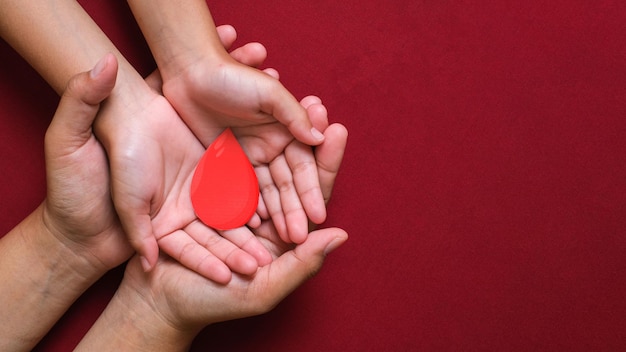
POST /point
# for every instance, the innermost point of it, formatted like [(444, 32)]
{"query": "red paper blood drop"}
[(224, 188)]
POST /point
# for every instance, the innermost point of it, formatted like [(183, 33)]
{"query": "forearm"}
[(130, 323), (179, 32), (41, 278), (59, 40)]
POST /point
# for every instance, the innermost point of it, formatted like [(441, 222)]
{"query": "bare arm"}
[(59, 39), (41, 278), (165, 309), (200, 80), (199, 76), (73, 237), (179, 33)]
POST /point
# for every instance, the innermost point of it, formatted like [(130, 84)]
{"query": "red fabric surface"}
[(483, 185)]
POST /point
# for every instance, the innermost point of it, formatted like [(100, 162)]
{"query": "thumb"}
[(80, 102), (138, 227), (133, 210), (288, 111), (293, 268)]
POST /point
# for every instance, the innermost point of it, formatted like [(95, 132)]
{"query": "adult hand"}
[(167, 307), (78, 210), (74, 236)]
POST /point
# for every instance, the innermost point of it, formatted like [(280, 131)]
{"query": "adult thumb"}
[(300, 264), (81, 100)]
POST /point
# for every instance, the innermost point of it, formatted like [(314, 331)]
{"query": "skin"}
[(201, 80), (132, 125), (165, 309), (75, 235)]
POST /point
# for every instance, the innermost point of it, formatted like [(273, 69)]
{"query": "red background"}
[(483, 185)]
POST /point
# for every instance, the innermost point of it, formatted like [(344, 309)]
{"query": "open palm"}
[(152, 155), (189, 301)]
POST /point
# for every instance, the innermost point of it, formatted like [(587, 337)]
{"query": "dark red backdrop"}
[(484, 186)]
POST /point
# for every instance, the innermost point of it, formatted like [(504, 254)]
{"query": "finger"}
[(299, 156), (295, 216), (138, 226), (98, 83), (272, 72), (271, 199), (310, 100), (251, 54), (316, 111), (255, 221), (262, 143), (304, 173), (80, 102), (201, 259), (294, 267), (239, 249), (262, 208), (227, 35), (243, 238), (285, 109), (270, 238), (329, 156)]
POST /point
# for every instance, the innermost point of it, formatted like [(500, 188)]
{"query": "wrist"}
[(178, 33), (184, 62), (132, 322), (69, 261)]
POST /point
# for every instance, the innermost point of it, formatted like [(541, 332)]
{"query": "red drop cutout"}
[(224, 187)]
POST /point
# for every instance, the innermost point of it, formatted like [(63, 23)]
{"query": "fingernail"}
[(317, 134), (334, 244), (100, 66), (145, 264)]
